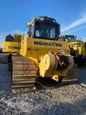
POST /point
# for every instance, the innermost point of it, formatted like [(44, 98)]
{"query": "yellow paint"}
[(29, 49), (13, 46), (80, 50)]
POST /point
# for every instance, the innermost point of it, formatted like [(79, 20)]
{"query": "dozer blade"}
[(72, 75), (23, 72)]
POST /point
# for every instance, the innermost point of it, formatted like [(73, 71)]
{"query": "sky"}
[(15, 14)]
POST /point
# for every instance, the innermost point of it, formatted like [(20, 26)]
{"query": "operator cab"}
[(15, 38), (9, 38), (68, 38), (44, 28)]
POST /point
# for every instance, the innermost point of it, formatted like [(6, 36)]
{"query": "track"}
[(42, 83), (23, 72), (72, 75)]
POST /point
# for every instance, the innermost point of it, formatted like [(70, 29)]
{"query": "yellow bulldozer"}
[(12, 43), (77, 48), (11, 46), (42, 55)]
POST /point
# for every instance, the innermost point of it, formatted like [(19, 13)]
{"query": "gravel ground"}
[(61, 100)]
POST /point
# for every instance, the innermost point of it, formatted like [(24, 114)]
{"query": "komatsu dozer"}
[(12, 43), (77, 48), (11, 46), (42, 55)]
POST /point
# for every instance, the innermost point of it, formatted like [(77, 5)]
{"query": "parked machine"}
[(42, 55), (12, 43), (11, 46), (77, 48)]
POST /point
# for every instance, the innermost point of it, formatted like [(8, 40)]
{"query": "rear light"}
[(4, 48), (68, 51), (28, 48)]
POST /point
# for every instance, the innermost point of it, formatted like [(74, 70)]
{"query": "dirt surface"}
[(61, 100)]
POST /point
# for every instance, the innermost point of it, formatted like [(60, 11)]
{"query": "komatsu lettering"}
[(47, 43), (13, 47)]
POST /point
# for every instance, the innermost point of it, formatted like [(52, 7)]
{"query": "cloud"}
[(19, 32), (15, 31), (76, 23)]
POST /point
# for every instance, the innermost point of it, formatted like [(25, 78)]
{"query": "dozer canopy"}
[(44, 28)]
